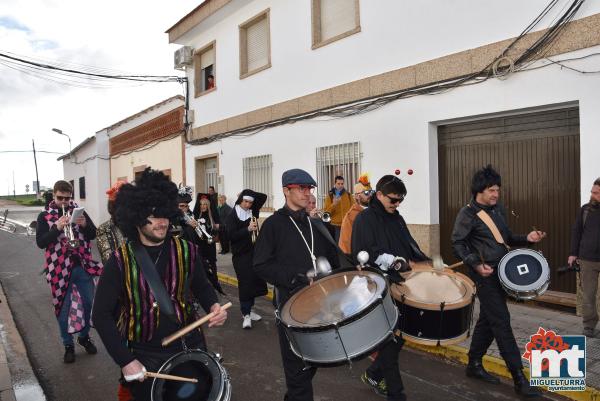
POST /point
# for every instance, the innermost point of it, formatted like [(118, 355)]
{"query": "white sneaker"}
[(247, 324), (255, 316)]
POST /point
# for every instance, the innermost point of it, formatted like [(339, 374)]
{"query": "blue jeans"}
[(85, 286)]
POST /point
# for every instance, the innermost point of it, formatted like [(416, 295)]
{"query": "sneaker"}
[(255, 316), (86, 342), (69, 354), (247, 323), (379, 386)]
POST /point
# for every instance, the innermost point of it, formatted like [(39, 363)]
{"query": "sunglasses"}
[(367, 192), (302, 187), (62, 198), (395, 200)]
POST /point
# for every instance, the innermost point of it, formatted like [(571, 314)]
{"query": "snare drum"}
[(436, 306), (213, 380), (524, 273), (339, 318)]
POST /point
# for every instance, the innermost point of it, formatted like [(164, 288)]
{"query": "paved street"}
[(250, 356)]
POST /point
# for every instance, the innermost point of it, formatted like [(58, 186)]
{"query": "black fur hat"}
[(151, 194)]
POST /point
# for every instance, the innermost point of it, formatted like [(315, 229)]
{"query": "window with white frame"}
[(255, 45), (334, 160), (333, 20), (258, 176), (204, 69)]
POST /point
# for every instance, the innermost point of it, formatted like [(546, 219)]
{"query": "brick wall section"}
[(161, 127)]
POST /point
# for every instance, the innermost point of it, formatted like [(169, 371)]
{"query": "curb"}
[(460, 354)]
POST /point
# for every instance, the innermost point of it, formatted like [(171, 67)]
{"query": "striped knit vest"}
[(139, 317)]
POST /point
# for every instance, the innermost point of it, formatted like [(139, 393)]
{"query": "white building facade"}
[(87, 169), (277, 64)]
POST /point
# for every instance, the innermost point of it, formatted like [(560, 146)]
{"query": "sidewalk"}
[(525, 319), (6, 389)]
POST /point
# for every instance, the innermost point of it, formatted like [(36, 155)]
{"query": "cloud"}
[(11, 23)]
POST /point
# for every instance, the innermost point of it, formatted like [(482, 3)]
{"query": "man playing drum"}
[(286, 249), (382, 232), (476, 245), (144, 292)]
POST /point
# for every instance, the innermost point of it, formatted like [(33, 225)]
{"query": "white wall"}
[(89, 162), (393, 34), (403, 134)]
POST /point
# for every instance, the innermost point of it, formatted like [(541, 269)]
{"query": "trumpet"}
[(68, 231), (200, 228), (324, 216), (255, 232)]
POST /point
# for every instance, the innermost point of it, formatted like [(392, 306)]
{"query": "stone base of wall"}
[(427, 236)]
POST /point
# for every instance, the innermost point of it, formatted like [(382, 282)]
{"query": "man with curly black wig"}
[(144, 293), (476, 245)]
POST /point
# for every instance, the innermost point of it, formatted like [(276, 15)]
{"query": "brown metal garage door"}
[(537, 155)]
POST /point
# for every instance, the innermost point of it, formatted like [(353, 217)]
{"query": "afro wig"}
[(152, 194)]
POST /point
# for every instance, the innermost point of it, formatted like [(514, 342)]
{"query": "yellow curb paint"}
[(459, 354), (232, 281)]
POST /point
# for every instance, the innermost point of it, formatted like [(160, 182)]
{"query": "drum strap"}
[(487, 220), (153, 279)]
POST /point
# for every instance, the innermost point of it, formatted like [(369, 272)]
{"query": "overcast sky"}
[(113, 35)]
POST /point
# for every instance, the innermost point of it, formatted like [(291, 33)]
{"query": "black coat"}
[(223, 212), (242, 248), (376, 231), (280, 254), (472, 240), (585, 242)]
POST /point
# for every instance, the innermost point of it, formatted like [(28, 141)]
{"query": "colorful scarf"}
[(59, 261), (139, 314)]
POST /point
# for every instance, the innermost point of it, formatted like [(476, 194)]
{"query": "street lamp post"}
[(58, 131)]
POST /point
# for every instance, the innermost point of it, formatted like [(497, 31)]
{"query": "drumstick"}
[(170, 377), (454, 265), (167, 340)]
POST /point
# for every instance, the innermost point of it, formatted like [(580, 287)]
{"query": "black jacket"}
[(472, 240), (585, 242), (223, 212), (280, 255), (376, 231)]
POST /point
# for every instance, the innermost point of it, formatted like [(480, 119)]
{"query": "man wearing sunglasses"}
[(362, 196), (288, 244), (68, 269), (382, 232)]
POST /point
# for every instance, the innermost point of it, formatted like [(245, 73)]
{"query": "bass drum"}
[(213, 381), (436, 306), (339, 318), (524, 273)]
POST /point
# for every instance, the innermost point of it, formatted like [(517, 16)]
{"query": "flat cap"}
[(297, 176)]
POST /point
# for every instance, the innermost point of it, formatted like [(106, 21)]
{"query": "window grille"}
[(334, 160), (258, 176)]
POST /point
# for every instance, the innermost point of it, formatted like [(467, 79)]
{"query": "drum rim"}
[(536, 285), (432, 342), (340, 323), (436, 306), (224, 375), (527, 295)]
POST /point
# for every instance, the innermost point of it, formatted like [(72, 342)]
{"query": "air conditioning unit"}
[(183, 57)]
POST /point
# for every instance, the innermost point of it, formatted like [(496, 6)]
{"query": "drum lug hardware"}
[(442, 305)]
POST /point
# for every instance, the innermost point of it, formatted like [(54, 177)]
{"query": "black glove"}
[(395, 277)]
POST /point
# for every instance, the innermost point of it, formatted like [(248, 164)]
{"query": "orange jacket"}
[(338, 210), (345, 241)]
